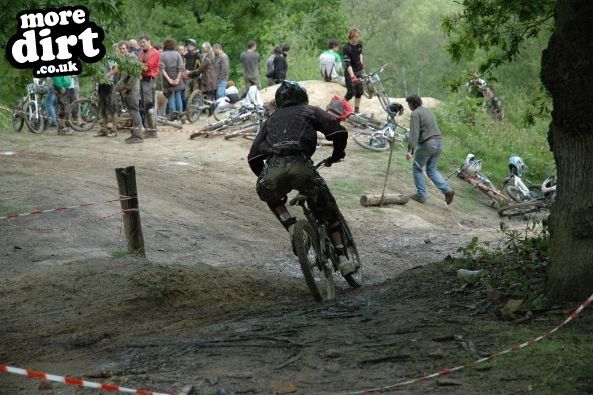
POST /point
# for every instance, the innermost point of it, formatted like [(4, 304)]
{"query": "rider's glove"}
[(355, 80)]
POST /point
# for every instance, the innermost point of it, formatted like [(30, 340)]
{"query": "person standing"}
[(65, 94), (270, 65), (107, 103), (281, 64), (222, 69), (425, 145), (353, 64), (330, 61), (128, 86), (172, 68), (134, 48), (49, 102), (208, 79), (192, 62), (151, 59), (250, 61)]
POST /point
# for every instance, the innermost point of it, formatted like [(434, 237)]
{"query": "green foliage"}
[(515, 265)]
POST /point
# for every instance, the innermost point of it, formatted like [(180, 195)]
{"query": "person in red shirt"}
[(151, 59)]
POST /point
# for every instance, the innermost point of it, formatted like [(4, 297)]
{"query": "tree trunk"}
[(567, 73)]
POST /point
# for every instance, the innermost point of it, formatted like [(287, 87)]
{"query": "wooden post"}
[(382, 199), (126, 183)]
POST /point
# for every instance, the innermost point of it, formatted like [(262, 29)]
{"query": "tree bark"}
[(567, 73)]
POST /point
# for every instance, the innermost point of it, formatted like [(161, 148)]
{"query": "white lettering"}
[(51, 19), (64, 14), (63, 42), (72, 66), (27, 43), (78, 16), (46, 44), (51, 69), (30, 21), (87, 37), (43, 70)]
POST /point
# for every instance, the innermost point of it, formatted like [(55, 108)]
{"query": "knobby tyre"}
[(355, 279), (33, 116), (17, 119), (83, 115), (514, 193), (368, 141), (523, 208), (319, 280), (194, 106)]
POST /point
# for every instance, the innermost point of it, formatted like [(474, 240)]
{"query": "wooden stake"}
[(126, 182)]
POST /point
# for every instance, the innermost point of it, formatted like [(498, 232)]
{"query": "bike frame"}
[(373, 85)]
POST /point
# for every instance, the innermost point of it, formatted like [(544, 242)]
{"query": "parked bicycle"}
[(235, 121), (542, 201), (471, 172), (29, 110), (251, 130), (316, 252), (83, 114), (513, 185), (380, 139)]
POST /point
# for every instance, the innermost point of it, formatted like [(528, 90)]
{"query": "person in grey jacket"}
[(425, 145), (222, 69)]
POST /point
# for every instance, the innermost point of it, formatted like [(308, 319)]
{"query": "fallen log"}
[(389, 198)]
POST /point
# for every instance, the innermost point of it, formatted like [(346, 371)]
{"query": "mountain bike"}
[(540, 202), (316, 253), (470, 171), (372, 85), (380, 139), (251, 130), (29, 110), (235, 120)]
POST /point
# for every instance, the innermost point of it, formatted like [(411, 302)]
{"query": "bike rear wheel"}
[(355, 279), (195, 106), (319, 277), (83, 115), (33, 117), (368, 141), (523, 208)]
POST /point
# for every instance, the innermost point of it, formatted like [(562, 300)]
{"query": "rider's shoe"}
[(346, 267), (449, 197)]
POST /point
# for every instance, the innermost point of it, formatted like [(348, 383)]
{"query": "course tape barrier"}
[(60, 209), (514, 347), (73, 381)]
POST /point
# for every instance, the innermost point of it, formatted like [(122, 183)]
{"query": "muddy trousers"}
[(282, 174), (132, 102)]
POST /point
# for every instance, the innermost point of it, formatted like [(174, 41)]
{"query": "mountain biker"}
[(281, 158), (353, 65)]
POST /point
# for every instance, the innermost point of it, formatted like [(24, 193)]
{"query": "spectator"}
[(129, 87), (181, 50), (151, 59), (281, 65), (65, 94), (49, 102), (426, 145), (270, 65), (222, 69), (330, 61), (172, 68), (250, 61), (232, 93), (492, 104), (107, 102), (353, 64), (208, 79), (133, 47), (192, 62)]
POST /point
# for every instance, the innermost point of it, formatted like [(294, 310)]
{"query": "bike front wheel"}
[(33, 117), (523, 208), (354, 279), (514, 193), (17, 119), (368, 141), (194, 106), (83, 114), (318, 274)]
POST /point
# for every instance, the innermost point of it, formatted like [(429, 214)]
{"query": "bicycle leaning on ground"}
[(316, 253), (538, 202), (471, 172)]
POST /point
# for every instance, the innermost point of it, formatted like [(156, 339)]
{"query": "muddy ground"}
[(219, 302)]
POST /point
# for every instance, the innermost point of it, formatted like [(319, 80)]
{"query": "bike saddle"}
[(298, 199)]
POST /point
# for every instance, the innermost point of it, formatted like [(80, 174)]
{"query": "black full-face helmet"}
[(291, 93), (192, 42)]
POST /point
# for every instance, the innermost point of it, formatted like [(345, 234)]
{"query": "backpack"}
[(339, 107), (270, 67)]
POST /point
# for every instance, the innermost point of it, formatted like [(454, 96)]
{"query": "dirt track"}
[(220, 301)]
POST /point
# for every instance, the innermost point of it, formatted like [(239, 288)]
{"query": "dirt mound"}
[(321, 92)]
